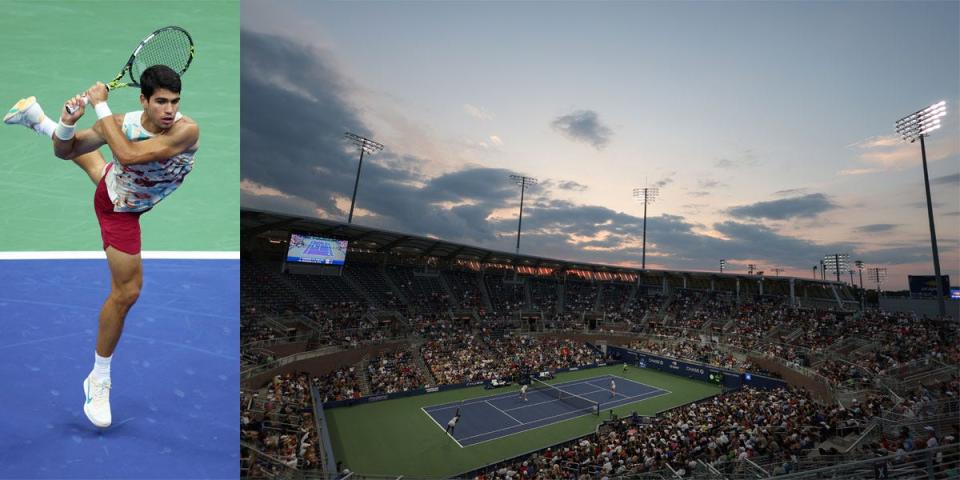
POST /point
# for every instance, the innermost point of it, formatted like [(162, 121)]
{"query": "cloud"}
[(806, 206), (876, 228), (312, 175), (479, 113), (859, 171), (746, 159), (666, 180), (889, 152), (704, 183), (790, 192), (698, 194), (571, 186), (953, 180), (496, 140), (923, 204), (583, 126)]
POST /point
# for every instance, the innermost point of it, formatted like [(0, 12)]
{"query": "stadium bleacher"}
[(889, 380)]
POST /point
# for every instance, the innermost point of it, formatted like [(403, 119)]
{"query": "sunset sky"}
[(767, 126)]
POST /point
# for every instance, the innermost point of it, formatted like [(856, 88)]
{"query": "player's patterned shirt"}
[(136, 188)]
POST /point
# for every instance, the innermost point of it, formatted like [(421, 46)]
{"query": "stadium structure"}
[(406, 359)]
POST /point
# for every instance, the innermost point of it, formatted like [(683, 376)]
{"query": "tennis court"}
[(402, 436), (489, 418), (174, 371), (174, 374)]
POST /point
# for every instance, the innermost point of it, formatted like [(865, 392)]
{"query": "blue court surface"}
[(175, 372), (489, 418)]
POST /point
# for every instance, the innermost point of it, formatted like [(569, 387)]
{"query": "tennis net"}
[(566, 397)]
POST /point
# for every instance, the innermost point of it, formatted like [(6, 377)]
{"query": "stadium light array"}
[(836, 263), (646, 195), (859, 265), (723, 263), (523, 182), (915, 126), (878, 275), (366, 146)]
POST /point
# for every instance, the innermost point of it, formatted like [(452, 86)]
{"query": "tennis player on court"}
[(153, 151), (523, 393), (613, 388), (453, 423)]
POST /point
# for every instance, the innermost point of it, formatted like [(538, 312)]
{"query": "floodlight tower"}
[(859, 265), (750, 268), (836, 263), (368, 146), (917, 126), (523, 182), (878, 275), (777, 271), (723, 263), (646, 195)]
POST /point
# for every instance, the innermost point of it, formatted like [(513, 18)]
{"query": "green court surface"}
[(395, 437), (56, 49)]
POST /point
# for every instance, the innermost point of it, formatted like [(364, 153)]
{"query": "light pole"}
[(523, 182), (877, 274), (814, 272), (645, 195), (836, 263), (859, 265), (750, 268), (723, 263), (368, 146), (777, 271), (919, 125)]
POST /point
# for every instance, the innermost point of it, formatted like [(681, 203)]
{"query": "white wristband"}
[(64, 132), (103, 110)]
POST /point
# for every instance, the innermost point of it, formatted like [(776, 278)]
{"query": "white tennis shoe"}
[(26, 112), (96, 404)]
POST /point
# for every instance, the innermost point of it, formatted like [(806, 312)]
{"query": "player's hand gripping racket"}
[(170, 46)]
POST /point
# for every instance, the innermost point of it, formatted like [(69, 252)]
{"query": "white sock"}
[(45, 127), (101, 366)]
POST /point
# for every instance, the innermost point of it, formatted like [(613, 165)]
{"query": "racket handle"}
[(83, 99)]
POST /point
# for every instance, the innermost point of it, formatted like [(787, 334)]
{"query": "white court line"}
[(441, 426), (548, 401), (100, 255), (632, 399), (449, 405), (521, 431), (505, 413), (636, 399)]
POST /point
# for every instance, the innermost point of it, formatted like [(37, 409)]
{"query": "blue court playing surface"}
[(489, 418), (175, 372)]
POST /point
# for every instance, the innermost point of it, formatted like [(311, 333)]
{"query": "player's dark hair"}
[(159, 76)]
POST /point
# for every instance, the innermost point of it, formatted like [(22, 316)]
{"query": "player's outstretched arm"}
[(183, 136), (180, 138), (68, 143)]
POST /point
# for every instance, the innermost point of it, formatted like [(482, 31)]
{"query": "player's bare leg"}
[(27, 112), (126, 278), (92, 164), (126, 273)]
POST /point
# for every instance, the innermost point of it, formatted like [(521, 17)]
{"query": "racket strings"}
[(168, 47)]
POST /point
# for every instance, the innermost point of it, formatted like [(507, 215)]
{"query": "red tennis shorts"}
[(120, 230)]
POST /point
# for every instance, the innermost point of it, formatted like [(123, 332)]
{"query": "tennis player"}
[(153, 151), (523, 393), (624, 367), (453, 423), (613, 388)]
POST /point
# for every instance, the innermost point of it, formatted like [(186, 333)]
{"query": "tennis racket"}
[(170, 46)]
